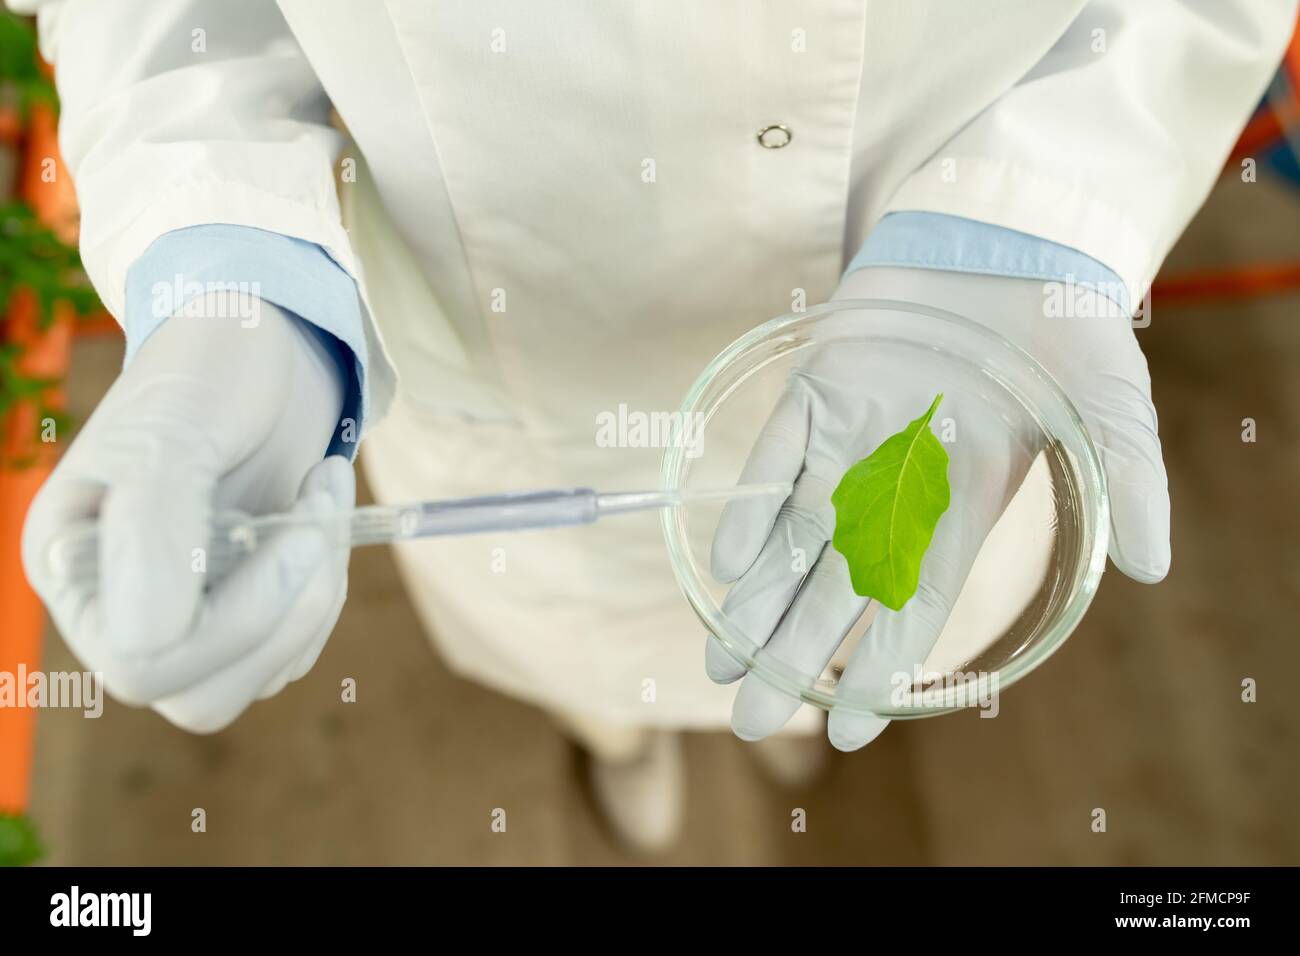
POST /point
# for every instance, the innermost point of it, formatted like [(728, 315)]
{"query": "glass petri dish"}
[(1036, 571)]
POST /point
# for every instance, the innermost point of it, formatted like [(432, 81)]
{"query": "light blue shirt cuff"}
[(928, 240), (294, 275)]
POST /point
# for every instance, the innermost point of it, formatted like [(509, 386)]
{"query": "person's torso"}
[(583, 190)]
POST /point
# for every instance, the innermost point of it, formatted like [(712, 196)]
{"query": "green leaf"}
[(886, 507), (19, 845)]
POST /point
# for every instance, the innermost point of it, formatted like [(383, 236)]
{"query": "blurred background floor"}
[(1139, 714)]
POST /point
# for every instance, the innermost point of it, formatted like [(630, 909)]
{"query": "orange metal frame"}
[(26, 461)]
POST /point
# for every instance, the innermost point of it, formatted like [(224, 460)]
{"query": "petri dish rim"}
[(1094, 541)]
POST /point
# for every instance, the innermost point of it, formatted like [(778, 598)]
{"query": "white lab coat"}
[(563, 207)]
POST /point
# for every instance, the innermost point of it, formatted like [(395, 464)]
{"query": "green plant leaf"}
[(886, 507), (19, 844)]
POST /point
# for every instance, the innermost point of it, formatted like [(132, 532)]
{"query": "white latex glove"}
[(210, 415), (1100, 367)]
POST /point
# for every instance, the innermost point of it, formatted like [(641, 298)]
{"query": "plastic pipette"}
[(74, 556)]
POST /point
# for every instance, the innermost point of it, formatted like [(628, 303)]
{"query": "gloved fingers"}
[(153, 501), (848, 732), (899, 641), (756, 602), (239, 616), (894, 640), (1107, 378), (307, 660), (823, 613), (777, 455), (153, 535), (334, 476), (1138, 486), (299, 668), (218, 699), (78, 610), (64, 500), (240, 613)]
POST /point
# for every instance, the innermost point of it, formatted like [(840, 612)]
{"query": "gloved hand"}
[(210, 415), (1100, 367)]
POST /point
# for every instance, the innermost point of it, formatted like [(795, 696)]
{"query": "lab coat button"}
[(774, 137)]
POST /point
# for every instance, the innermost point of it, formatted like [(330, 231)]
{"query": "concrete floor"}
[(1140, 713)]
